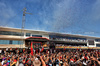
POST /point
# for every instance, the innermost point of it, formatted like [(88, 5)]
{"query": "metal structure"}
[(23, 24)]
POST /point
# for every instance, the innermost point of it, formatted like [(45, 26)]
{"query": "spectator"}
[(59, 58)]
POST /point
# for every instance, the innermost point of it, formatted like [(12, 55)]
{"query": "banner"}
[(31, 48)]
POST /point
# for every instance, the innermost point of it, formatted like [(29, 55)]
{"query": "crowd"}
[(23, 57)]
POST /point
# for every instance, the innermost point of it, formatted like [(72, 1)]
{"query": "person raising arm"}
[(43, 63)]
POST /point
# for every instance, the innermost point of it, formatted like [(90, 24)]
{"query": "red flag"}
[(36, 50), (46, 51), (64, 49), (42, 49), (31, 48), (77, 49)]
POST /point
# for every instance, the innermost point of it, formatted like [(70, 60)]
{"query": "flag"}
[(77, 49), (31, 48), (42, 49), (64, 49), (46, 51)]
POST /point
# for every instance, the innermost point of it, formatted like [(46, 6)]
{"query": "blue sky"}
[(64, 16)]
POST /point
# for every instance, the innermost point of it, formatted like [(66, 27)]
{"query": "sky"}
[(63, 16)]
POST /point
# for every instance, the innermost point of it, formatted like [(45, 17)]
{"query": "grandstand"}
[(13, 38)]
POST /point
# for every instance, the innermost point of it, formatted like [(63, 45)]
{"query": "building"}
[(13, 38)]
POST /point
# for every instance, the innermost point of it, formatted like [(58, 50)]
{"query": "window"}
[(37, 35), (10, 42), (28, 34), (11, 33), (17, 42), (20, 42), (98, 40), (97, 45), (4, 41)]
